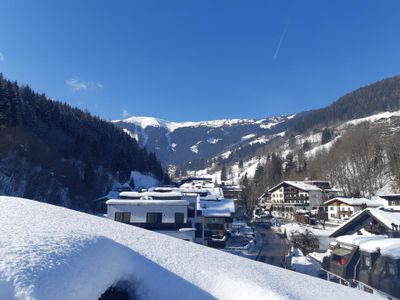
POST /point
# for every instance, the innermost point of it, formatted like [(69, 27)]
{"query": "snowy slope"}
[(49, 252), (179, 143), (283, 149)]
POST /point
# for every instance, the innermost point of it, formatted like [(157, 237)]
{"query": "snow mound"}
[(49, 252)]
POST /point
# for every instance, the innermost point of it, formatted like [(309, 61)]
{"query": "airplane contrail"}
[(281, 40)]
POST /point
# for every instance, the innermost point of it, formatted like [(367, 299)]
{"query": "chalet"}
[(379, 221), (342, 208), (287, 197), (390, 199)]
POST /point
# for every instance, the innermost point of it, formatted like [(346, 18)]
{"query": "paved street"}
[(274, 247)]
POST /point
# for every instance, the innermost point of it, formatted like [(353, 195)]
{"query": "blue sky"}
[(198, 60)]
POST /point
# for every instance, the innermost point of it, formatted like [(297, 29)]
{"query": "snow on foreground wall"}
[(49, 252)]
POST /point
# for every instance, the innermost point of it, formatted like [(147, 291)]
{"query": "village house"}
[(207, 211), (341, 208), (284, 199), (390, 199), (217, 219), (165, 213), (231, 191), (378, 221)]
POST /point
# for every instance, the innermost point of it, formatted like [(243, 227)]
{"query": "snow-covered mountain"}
[(202, 148), (290, 144), (182, 142)]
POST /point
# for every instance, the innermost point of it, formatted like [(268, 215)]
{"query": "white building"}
[(168, 215), (342, 208), (208, 211)]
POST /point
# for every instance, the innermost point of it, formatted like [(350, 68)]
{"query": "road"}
[(274, 247)]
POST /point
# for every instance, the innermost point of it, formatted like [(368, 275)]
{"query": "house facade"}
[(341, 208), (390, 199), (167, 216), (378, 221), (206, 212), (284, 199)]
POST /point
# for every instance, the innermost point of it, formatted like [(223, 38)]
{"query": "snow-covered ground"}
[(49, 252), (304, 264), (373, 118)]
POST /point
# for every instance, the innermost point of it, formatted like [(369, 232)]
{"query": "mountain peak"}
[(143, 122)]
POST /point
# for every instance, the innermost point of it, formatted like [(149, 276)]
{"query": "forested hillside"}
[(380, 96), (364, 161), (50, 151)]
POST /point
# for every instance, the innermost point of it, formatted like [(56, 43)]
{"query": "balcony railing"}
[(215, 226), (162, 226)]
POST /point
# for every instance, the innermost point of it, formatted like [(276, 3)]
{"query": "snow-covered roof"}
[(355, 201), (160, 189), (357, 240), (387, 247), (176, 195), (49, 252), (141, 202), (299, 185), (211, 212), (387, 215), (192, 190), (222, 204)]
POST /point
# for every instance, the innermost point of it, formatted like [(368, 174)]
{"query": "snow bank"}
[(305, 265), (49, 252)]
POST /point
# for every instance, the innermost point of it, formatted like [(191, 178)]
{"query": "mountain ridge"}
[(198, 145)]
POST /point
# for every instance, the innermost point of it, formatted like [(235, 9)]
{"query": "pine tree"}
[(223, 173), (240, 165), (326, 136)]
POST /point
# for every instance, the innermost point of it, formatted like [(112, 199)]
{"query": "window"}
[(366, 262), (154, 218), (391, 269), (191, 210), (330, 207), (179, 218), (199, 230), (124, 217)]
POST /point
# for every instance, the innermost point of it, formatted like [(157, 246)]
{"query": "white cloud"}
[(79, 85), (125, 113), (1, 56)]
